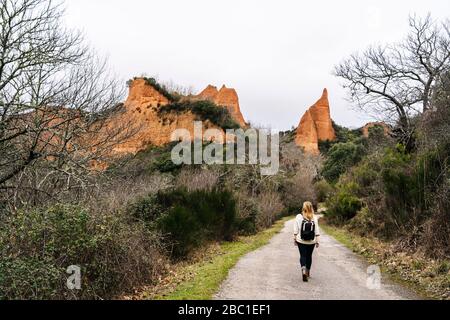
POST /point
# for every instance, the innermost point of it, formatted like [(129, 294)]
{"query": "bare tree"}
[(56, 99), (396, 81)]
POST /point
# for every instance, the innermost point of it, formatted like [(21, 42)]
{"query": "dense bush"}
[(323, 190), (400, 187), (205, 110), (405, 194), (146, 209), (344, 204), (164, 164), (365, 223), (189, 219), (36, 248), (341, 157), (343, 135)]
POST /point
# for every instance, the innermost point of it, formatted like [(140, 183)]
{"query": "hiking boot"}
[(308, 274), (305, 277)]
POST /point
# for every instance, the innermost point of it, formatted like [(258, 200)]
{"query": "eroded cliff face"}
[(226, 97), (209, 93), (146, 126), (316, 125), (320, 113), (307, 134)]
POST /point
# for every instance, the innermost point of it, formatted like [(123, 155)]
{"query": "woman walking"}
[(306, 237)]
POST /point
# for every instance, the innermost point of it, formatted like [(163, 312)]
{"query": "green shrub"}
[(204, 110), (346, 135), (443, 267), (377, 136), (402, 201), (248, 225), (343, 135), (364, 223), (366, 174), (30, 278), (323, 190), (146, 209), (189, 219), (344, 204), (195, 217), (431, 169), (164, 164), (36, 248), (341, 157)]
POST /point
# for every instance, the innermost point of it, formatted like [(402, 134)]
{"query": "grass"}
[(430, 279), (344, 237), (201, 280)]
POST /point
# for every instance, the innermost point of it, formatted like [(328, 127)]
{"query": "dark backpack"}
[(308, 230)]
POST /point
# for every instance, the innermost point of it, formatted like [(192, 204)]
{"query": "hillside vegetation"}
[(396, 187), (140, 216)]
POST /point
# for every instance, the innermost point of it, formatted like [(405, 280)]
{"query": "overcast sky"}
[(278, 55)]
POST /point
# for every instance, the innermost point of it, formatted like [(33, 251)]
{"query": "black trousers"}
[(306, 251)]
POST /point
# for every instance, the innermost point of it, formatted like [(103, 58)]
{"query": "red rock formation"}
[(141, 111), (307, 134), (226, 97), (320, 112), (316, 125), (135, 125), (366, 128), (210, 93)]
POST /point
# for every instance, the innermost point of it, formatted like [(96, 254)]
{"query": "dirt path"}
[(273, 272)]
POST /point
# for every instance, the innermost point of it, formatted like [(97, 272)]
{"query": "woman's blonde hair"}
[(308, 210)]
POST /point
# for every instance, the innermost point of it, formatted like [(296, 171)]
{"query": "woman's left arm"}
[(317, 231)]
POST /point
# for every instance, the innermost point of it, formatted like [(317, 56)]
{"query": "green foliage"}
[(346, 135), (30, 278), (344, 204), (164, 164), (364, 222), (146, 209), (399, 184), (432, 168), (343, 135), (248, 225), (340, 158), (366, 173), (323, 190), (410, 182), (36, 248), (377, 134), (204, 110), (443, 268), (325, 146), (189, 219), (404, 193)]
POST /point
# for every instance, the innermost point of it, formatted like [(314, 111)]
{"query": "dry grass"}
[(199, 179), (270, 207)]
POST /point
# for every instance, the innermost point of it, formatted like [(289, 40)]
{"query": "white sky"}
[(278, 55)]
